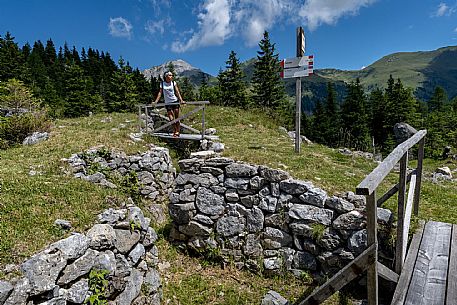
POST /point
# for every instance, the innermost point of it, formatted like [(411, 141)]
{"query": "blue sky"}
[(342, 34)]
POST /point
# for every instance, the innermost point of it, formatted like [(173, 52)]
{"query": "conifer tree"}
[(268, 90), (332, 119), (231, 83), (318, 122), (438, 100), (11, 60), (187, 89), (377, 116)]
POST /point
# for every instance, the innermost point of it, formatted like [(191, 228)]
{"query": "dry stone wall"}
[(262, 218), (122, 244)]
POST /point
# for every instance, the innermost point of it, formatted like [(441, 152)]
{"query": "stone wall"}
[(153, 169), (122, 243), (262, 218)]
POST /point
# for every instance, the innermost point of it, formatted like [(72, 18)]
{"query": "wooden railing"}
[(200, 106), (368, 260)]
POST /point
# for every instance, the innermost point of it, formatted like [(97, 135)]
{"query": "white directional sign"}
[(297, 61), (296, 72)]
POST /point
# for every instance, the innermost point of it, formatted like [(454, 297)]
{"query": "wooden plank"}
[(428, 284), (387, 274), (344, 276), (179, 119), (184, 126), (408, 211), (451, 298), (393, 190), (185, 136), (372, 239), (420, 159), (371, 182), (399, 249), (408, 268)]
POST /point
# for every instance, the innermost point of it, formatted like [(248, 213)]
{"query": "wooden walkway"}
[(429, 275)]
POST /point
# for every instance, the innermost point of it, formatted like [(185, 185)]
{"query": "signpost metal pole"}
[(300, 53)]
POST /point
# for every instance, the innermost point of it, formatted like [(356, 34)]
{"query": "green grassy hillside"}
[(29, 205)]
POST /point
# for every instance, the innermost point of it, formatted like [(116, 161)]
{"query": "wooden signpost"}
[(298, 67)]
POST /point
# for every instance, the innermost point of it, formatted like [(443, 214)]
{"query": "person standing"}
[(172, 98)]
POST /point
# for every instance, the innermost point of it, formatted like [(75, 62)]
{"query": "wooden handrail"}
[(372, 181)]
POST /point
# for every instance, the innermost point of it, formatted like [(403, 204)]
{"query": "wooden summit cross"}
[(298, 67), (193, 134)]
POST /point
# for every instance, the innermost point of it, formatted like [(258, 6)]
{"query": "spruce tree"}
[(11, 59), (268, 90), (187, 89), (332, 119), (438, 100), (231, 83), (318, 123)]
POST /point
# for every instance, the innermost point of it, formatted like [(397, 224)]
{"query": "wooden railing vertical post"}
[(203, 122), (399, 254), (420, 159), (372, 238), (139, 118)]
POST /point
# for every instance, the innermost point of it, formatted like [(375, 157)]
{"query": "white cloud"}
[(153, 27), (120, 27), (444, 10), (213, 27), (222, 19)]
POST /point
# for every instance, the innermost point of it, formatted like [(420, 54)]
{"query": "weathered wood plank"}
[(399, 249), (408, 211), (184, 126), (372, 239), (408, 268), (387, 274), (186, 136), (451, 298), (420, 159), (179, 119), (344, 276), (393, 190), (372, 181), (428, 284)]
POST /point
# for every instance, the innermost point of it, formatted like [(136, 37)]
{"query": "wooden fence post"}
[(372, 239), (420, 159), (399, 254)]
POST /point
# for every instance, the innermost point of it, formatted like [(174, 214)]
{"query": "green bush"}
[(14, 129)]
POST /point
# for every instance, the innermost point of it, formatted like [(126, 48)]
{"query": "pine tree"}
[(268, 90), (332, 120), (318, 123), (438, 100), (78, 101), (11, 59), (187, 89), (231, 83), (378, 116), (355, 117)]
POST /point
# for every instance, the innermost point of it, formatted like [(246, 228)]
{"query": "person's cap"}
[(168, 73)]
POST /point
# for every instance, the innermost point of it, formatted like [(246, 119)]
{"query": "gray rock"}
[(78, 268), (330, 239), (56, 301), (274, 238), (206, 180), (132, 290), (240, 170), (208, 202), (304, 261), (314, 196), (78, 292), (338, 204), (102, 236), (279, 221), (152, 282), (253, 247), (353, 220), (237, 183), (5, 289), (35, 138), (106, 261), (203, 219), (136, 216), (357, 243), (359, 201), (187, 196), (145, 178), (230, 225), (63, 224), (195, 229), (268, 203), (254, 220), (111, 216), (231, 195), (257, 182), (311, 213), (182, 213), (73, 246), (96, 178), (295, 187), (301, 229), (250, 201), (273, 175), (272, 263), (125, 240), (385, 216), (212, 170), (150, 238), (137, 253), (218, 162), (20, 293), (123, 266), (403, 131), (446, 171), (217, 147), (43, 269), (274, 298)]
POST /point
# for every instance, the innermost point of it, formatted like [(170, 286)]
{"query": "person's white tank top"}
[(168, 92)]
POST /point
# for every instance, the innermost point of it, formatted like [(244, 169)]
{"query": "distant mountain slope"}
[(182, 68)]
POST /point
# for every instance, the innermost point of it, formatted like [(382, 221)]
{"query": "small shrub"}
[(98, 285), (318, 231)]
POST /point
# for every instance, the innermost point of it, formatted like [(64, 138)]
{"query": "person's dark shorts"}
[(172, 107)]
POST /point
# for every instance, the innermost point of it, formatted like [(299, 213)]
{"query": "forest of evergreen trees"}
[(68, 83)]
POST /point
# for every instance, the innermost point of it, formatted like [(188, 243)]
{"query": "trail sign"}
[(297, 61), (297, 72)]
